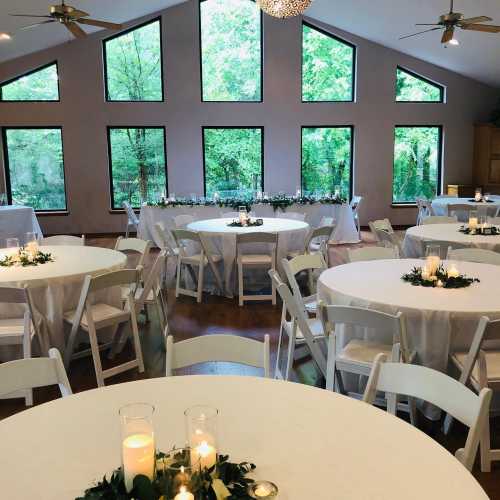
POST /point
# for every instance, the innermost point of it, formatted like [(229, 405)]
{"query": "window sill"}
[(403, 205), (56, 213)]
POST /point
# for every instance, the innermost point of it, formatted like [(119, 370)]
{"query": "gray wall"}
[(84, 115)]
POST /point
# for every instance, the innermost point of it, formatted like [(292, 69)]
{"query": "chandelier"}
[(284, 8)]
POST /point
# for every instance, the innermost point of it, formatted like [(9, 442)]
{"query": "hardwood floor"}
[(222, 315)]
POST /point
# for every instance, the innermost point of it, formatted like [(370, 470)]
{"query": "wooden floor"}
[(221, 315)]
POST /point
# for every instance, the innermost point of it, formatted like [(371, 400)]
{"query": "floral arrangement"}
[(26, 257), (483, 231), (442, 278), (248, 223)]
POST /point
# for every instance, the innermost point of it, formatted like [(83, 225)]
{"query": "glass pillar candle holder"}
[(452, 270), (242, 215), (432, 259), (473, 220), (138, 443), (201, 429), (178, 470)]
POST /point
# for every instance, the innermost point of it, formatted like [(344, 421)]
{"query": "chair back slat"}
[(256, 237), (372, 253), (303, 263), (478, 255), (133, 245), (492, 330), (152, 281), (63, 239), (11, 295), (184, 234), (114, 278)]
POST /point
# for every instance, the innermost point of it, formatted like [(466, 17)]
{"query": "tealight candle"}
[(439, 284), (184, 494), (263, 490), (138, 451), (453, 271)]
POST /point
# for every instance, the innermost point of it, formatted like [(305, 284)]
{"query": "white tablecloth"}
[(440, 205), (345, 231), (314, 444), (291, 236), (56, 286), (16, 221), (414, 236), (438, 320)]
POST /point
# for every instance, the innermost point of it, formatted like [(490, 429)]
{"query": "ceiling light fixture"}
[(5, 36), (454, 41), (284, 8)]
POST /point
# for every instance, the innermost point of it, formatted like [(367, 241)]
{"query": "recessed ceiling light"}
[(5, 36)]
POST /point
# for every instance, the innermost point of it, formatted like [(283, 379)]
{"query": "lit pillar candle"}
[(472, 222), (184, 494), (205, 453), (138, 452), (453, 271), (432, 264)]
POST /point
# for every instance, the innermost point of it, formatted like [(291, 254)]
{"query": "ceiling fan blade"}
[(447, 35), (488, 28), (102, 24), (75, 30), (479, 19), (36, 24), (78, 13), (427, 24), (28, 15), (419, 33)]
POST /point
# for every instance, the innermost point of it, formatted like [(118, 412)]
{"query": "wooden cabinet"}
[(486, 168)]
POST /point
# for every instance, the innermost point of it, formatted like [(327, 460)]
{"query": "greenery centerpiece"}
[(480, 230), (24, 257), (441, 278)]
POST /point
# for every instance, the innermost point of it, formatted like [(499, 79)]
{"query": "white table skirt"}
[(56, 287), (16, 221), (314, 444), (438, 320), (345, 231), (440, 205), (414, 237)]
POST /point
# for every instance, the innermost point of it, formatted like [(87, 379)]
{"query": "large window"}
[(417, 163), (233, 161), (328, 66), (327, 160), (137, 162), (231, 50), (414, 88), (133, 64), (34, 167), (41, 84)]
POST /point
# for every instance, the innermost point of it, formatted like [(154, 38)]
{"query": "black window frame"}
[(442, 88), (125, 32), (200, 57), (351, 166), (6, 167), (354, 63), (31, 72), (244, 127), (110, 159), (440, 160)]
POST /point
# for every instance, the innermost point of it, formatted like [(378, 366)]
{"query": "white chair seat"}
[(100, 313), (492, 366), (255, 259), (314, 324), (363, 352), (196, 259)]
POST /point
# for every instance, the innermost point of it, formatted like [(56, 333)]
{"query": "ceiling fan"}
[(448, 22), (70, 18)]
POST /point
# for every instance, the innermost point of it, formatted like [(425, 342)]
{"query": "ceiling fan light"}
[(454, 42), (284, 8), (5, 36)]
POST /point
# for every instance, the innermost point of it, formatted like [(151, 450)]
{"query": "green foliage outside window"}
[(40, 85), (327, 67), (230, 50), (134, 65), (326, 160), (411, 88), (233, 161), (416, 163), (138, 165), (35, 165)]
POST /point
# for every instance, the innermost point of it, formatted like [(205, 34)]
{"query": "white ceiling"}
[(381, 21)]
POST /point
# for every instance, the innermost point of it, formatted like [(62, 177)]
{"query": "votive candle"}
[(184, 494)]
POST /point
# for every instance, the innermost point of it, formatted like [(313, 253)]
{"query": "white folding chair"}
[(293, 216), (181, 221), (91, 316), (63, 239), (304, 335), (480, 368), (475, 255), (388, 239), (135, 245), (355, 204), (226, 348), (252, 260), (424, 208), (438, 389), (316, 241), (380, 224), (439, 219), (20, 330), (371, 253), (201, 259), (132, 219), (23, 375)]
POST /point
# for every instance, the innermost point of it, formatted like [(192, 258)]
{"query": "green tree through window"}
[(326, 160), (35, 167), (137, 164), (412, 88), (417, 163), (38, 85), (230, 32), (327, 66), (233, 161), (133, 64)]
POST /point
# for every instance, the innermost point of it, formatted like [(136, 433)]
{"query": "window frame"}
[(440, 162), (200, 58), (442, 88), (110, 159), (125, 32), (6, 167), (29, 73), (203, 128), (353, 66), (351, 156)]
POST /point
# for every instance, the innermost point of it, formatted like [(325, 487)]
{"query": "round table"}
[(56, 286), (438, 320), (291, 236), (440, 205), (312, 443), (414, 236)]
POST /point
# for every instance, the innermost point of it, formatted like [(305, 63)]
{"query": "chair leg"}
[(290, 355), (96, 356), (178, 278), (240, 283), (484, 447), (136, 340), (273, 288), (28, 399), (201, 273)]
